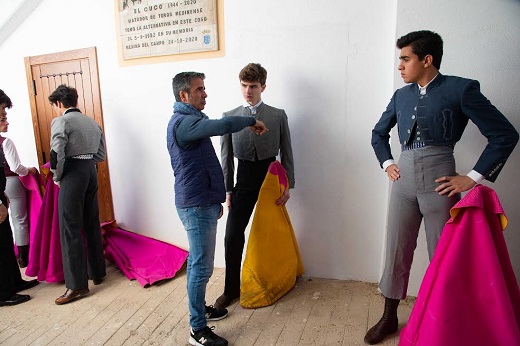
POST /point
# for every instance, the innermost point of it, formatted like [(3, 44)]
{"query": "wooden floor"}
[(120, 312)]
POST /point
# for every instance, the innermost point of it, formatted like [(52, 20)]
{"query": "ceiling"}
[(12, 14)]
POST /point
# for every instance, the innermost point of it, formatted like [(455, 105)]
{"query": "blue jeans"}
[(200, 224)]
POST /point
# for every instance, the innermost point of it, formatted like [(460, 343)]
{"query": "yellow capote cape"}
[(273, 259)]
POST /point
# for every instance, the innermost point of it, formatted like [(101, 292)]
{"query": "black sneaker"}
[(215, 314), (206, 337)]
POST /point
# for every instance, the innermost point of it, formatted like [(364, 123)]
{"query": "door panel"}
[(77, 69)]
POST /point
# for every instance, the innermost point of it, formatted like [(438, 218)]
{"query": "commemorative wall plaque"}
[(157, 28)]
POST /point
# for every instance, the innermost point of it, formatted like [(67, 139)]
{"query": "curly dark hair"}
[(5, 99), (67, 95)]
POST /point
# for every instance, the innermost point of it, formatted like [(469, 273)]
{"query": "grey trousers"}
[(80, 230), (17, 195), (413, 198)]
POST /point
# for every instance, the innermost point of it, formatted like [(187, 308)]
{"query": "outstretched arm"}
[(191, 129)]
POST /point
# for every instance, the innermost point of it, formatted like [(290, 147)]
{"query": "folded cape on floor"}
[(145, 259), (469, 294), (273, 259), (141, 258)]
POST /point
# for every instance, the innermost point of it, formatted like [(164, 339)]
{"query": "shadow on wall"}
[(509, 195), (317, 204)]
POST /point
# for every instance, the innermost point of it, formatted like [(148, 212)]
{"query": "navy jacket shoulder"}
[(450, 102)]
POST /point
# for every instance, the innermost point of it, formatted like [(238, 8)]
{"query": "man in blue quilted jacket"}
[(199, 191)]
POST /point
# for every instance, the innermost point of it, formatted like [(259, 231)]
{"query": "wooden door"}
[(77, 68)]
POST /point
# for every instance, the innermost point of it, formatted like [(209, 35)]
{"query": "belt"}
[(83, 157), (416, 145), (413, 145), (256, 160)]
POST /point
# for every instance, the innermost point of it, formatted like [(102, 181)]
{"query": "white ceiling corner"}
[(12, 15)]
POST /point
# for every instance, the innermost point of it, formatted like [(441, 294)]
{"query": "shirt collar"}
[(422, 89), (72, 109), (253, 108)]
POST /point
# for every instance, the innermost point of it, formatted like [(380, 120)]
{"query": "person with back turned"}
[(77, 144)]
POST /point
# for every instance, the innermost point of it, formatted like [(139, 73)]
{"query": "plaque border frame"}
[(153, 59)]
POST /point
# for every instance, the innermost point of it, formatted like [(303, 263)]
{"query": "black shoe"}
[(97, 281), (206, 337), (25, 285), (15, 299), (224, 301), (387, 324), (215, 314), (377, 333)]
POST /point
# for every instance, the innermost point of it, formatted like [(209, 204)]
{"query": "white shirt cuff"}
[(476, 176), (388, 163)]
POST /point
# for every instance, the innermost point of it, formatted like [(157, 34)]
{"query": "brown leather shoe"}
[(224, 301), (71, 295)]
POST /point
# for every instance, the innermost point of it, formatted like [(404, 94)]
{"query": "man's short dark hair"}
[(182, 82), (67, 95), (423, 43), (253, 73), (5, 99)]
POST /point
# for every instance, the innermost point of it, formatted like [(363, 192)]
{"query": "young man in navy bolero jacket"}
[(431, 114)]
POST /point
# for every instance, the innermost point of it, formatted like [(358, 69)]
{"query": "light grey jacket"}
[(74, 134), (246, 145)]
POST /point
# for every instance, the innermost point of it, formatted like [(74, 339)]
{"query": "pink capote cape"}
[(469, 294), (141, 258), (45, 249), (45, 261), (32, 185), (273, 258), (138, 257)]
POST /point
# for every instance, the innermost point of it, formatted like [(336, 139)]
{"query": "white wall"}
[(331, 67)]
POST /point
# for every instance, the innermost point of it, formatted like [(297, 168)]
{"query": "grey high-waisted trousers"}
[(413, 197)]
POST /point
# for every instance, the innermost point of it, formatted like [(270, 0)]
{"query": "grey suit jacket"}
[(246, 145)]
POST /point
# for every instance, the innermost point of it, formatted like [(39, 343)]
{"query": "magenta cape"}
[(138, 257), (469, 294), (144, 259), (45, 250), (32, 185)]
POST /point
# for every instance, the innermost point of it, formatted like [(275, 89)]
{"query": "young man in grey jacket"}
[(254, 155)]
